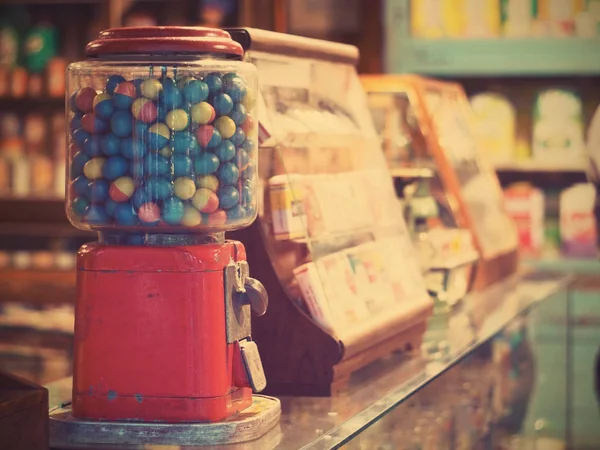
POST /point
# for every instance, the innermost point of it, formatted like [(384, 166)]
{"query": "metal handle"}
[(257, 296)]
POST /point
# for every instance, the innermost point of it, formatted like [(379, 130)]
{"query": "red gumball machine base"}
[(162, 339)]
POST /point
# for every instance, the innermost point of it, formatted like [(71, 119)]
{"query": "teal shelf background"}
[(490, 57)]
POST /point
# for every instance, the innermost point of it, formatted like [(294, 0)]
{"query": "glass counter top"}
[(329, 422)]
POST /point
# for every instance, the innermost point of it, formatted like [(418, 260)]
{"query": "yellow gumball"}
[(202, 113), (249, 99), (184, 188), (209, 182), (150, 88), (191, 217), (226, 126), (166, 152), (177, 119), (93, 168)]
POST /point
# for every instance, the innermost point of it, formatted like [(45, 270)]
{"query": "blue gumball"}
[(215, 139), (97, 215), (247, 195), (234, 86), (228, 197), (214, 83), (125, 215), (77, 162), (75, 122), (112, 82), (110, 144), (81, 186), (140, 196), (140, 130), (115, 167), (133, 148), (238, 114), (222, 104), (228, 174), (98, 191), (110, 206), (206, 163), (225, 151), (158, 188), (79, 136), (172, 211), (157, 165), (121, 123), (195, 91), (92, 146), (237, 212), (80, 205), (137, 169), (169, 96), (248, 145), (182, 165), (184, 142), (248, 173), (238, 137)]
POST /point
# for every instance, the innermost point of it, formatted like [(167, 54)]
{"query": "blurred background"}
[(525, 64)]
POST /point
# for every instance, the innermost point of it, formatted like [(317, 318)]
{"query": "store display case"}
[(445, 120), (330, 242)]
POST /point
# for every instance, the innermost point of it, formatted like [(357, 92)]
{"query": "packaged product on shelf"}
[(5, 259), (495, 122), (593, 147), (287, 207), (35, 85), (20, 176), (55, 77), (517, 17), (64, 260), (42, 260), (525, 205), (35, 131), (39, 47), (577, 221), (558, 129), (4, 81), (21, 259), (18, 82), (427, 19), (560, 15), (482, 18)]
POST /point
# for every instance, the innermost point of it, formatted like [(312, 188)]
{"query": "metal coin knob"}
[(257, 296)]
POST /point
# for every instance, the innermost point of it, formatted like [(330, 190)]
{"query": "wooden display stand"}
[(426, 97), (300, 356)]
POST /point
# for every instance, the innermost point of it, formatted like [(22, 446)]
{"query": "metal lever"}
[(257, 296)]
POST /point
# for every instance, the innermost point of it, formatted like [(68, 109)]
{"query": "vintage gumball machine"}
[(161, 163)]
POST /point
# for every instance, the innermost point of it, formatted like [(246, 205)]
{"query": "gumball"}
[(81, 186), (184, 142), (103, 106), (133, 148), (158, 188), (161, 113), (236, 213), (228, 197), (93, 168), (93, 124), (166, 152), (98, 191), (182, 165), (84, 99), (234, 86), (191, 217), (181, 82), (150, 88), (79, 136), (208, 136), (177, 119), (247, 194), (202, 113), (97, 215), (155, 164), (249, 172), (249, 99), (206, 163), (137, 169), (222, 104), (184, 188), (149, 212), (217, 218), (228, 174), (238, 114), (158, 136), (112, 83), (173, 211), (208, 181), (242, 159), (205, 200), (238, 137), (80, 205), (144, 110), (169, 97), (75, 122), (110, 144), (110, 206), (248, 145), (140, 130), (125, 215), (139, 197), (77, 162), (225, 126), (121, 189), (124, 95), (72, 104), (195, 91), (92, 146), (115, 167), (121, 123), (214, 83), (225, 151), (248, 125)]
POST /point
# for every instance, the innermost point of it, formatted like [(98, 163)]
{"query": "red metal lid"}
[(158, 40)]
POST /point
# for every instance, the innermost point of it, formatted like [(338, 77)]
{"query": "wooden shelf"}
[(38, 286)]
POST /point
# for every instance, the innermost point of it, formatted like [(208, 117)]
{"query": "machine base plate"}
[(67, 431)]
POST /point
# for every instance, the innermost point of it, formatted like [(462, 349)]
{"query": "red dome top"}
[(157, 40)]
